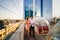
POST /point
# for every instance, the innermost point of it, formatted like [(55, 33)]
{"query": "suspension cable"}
[(9, 11), (15, 5)]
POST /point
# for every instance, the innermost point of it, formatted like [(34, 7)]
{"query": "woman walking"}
[(27, 24)]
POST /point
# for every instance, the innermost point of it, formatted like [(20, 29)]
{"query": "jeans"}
[(32, 31)]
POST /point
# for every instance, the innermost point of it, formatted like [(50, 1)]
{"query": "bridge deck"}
[(37, 37)]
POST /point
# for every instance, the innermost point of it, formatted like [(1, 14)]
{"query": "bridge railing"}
[(8, 29)]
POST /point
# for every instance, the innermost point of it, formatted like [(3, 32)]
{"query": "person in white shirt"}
[(32, 27)]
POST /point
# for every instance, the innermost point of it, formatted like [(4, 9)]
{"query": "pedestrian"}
[(27, 24), (32, 27)]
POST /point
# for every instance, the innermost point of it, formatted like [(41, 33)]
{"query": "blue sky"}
[(47, 7), (11, 8)]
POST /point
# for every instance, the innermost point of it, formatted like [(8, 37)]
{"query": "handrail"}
[(8, 29)]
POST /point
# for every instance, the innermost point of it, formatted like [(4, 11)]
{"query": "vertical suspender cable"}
[(15, 5)]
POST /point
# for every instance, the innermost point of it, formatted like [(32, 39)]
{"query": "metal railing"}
[(7, 30)]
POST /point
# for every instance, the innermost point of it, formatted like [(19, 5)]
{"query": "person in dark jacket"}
[(32, 27)]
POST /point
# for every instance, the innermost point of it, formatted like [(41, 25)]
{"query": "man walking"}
[(32, 27)]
